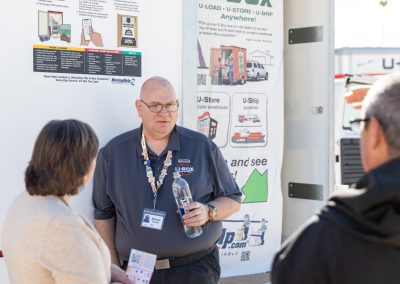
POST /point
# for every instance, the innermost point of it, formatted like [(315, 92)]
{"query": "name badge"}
[(153, 219)]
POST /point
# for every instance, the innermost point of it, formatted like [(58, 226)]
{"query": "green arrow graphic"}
[(256, 187)]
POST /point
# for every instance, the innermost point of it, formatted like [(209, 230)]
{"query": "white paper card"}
[(140, 266)]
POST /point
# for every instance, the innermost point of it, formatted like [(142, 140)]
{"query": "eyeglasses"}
[(355, 124), (158, 107)]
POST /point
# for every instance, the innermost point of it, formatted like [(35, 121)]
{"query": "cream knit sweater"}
[(44, 241)]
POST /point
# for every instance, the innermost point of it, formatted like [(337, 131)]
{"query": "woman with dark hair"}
[(44, 240)]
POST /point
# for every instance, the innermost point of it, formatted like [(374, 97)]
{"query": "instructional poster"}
[(87, 41), (76, 77), (240, 107)]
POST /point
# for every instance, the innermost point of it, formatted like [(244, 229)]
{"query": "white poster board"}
[(240, 107), (29, 99)]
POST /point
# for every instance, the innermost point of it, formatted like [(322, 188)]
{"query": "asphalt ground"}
[(260, 278)]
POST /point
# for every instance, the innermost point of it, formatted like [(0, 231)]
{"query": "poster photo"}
[(55, 21), (127, 31)]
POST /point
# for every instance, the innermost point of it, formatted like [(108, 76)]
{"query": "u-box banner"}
[(240, 107)]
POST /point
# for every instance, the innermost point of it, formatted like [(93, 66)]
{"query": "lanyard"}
[(155, 186)]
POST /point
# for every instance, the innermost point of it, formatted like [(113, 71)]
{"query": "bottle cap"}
[(176, 174)]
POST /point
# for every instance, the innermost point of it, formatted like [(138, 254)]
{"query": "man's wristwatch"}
[(212, 212)]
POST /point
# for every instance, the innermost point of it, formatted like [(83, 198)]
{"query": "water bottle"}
[(183, 197)]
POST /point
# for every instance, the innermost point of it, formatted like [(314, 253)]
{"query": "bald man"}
[(133, 179), (355, 238)]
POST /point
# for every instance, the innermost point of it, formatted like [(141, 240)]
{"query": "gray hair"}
[(383, 102)]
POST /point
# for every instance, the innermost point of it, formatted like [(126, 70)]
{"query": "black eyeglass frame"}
[(162, 106), (359, 120), (355, 124)]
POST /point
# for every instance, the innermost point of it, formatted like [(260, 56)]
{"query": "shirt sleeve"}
[(103, 206), (224, 183), (71, 253)]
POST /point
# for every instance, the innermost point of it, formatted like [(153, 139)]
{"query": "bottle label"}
[(182, 211), (183, 203)]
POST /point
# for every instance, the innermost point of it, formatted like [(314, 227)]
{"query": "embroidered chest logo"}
[(184, 167)]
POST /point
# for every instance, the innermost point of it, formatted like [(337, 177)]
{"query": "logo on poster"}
[(123, 81), (254, 2), (227, 240)]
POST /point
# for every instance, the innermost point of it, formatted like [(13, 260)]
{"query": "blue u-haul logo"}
[(227, 241)]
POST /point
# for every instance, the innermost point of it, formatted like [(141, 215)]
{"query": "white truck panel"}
[(367, 60), (308, 83)]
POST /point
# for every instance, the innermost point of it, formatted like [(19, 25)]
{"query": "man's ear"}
[(138, 106), (377, 149), (375, 133)]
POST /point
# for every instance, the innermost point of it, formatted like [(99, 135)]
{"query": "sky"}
[(365, 23)]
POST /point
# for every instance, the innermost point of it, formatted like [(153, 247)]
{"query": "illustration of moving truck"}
[(224, 53)]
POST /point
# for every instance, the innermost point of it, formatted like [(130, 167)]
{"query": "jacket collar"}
[(372, 210), (174, 143), (386, 176)]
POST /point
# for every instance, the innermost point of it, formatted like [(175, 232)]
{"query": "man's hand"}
[(197, 216)]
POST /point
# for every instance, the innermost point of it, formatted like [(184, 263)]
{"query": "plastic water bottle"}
[(183, 197)]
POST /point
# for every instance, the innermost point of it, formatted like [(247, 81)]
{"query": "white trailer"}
[(27, 102), (367, 60), (355, 67)]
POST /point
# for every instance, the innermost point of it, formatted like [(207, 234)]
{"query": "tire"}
[(266, 76), (242, 81), (257, 77)]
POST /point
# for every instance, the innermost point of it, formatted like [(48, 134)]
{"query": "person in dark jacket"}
[(355, 238)]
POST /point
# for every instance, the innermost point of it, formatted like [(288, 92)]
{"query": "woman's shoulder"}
[(39, 212), (46, 215)]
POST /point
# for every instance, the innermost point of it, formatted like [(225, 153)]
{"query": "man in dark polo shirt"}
[(133, 178)]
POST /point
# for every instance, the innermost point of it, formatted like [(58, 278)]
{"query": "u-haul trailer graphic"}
[(249, 117)]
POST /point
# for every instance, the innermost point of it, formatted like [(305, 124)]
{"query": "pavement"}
[(260, 278)]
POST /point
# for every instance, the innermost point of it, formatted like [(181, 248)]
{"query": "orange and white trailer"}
[(224, 52)]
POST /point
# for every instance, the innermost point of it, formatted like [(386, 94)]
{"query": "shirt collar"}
[(174, 143)]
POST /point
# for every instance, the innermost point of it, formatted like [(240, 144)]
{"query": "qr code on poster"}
[(245, 255)]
